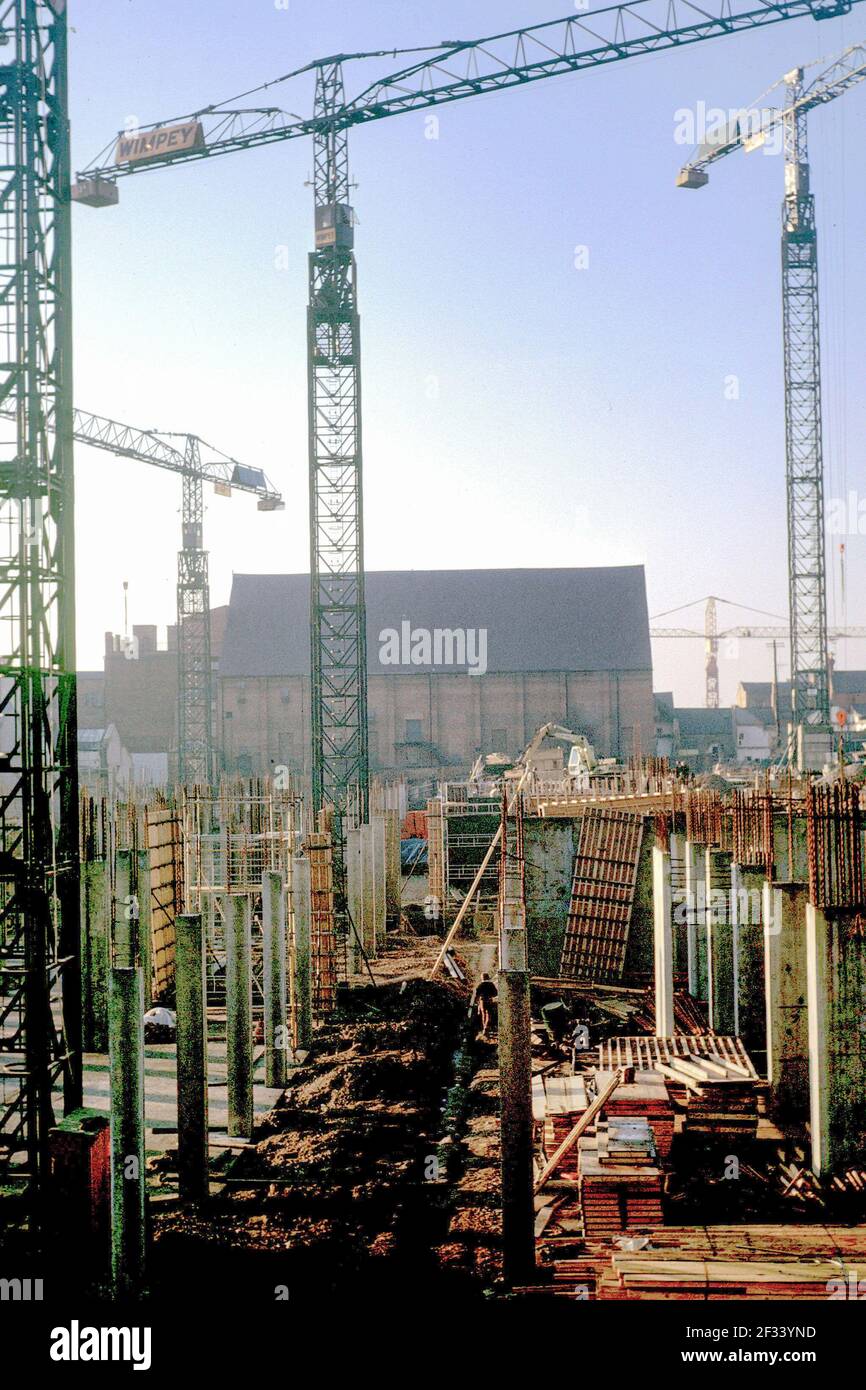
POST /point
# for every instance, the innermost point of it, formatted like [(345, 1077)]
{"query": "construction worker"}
[(484, 1003)]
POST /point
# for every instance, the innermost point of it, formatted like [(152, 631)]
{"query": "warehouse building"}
[(459, 661)]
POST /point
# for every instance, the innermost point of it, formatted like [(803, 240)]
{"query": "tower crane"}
[(807, 581), (39, 872), (450, 71), (197, 462)]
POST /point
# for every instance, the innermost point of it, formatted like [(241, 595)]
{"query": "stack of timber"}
[(719, 1100), (709, 1077), (565, 1101), (793, 1262), (647, 1097), (620, 1181)]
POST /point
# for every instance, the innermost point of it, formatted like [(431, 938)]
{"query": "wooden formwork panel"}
[(165, 865), (322, 925), (602, 895)]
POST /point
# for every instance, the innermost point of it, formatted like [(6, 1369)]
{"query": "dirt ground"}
[(356, 1183)]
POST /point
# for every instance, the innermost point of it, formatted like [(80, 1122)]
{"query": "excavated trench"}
[(350, 1190)]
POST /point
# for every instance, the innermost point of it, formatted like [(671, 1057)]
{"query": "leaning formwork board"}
[(165, 863), (602, 895)]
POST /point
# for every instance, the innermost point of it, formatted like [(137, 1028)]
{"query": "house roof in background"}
[(708, 722)]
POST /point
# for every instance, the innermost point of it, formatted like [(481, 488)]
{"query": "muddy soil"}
[(346, 1192)]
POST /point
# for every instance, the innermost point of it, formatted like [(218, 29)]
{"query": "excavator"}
[(583, 764)]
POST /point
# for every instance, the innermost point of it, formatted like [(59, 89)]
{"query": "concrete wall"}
[(550, 847), (264, 721)]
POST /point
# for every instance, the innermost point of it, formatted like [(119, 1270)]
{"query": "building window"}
[(499, 741), (414, 731)]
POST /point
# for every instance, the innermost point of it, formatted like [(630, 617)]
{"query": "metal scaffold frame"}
[(40, 1023)]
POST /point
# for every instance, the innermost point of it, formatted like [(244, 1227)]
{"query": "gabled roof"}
[(849, 682), (534, 619), (707, 722)]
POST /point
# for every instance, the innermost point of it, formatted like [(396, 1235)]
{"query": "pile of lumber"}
[(642, 1274), (792, 1262), (719, 1099), (800, 1184), (646, 1096), (565, 1101), (620, 1181), (709, 1077)]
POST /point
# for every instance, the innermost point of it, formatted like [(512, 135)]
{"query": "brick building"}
[(459, 662)]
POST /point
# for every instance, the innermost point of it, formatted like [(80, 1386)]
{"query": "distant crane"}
[(457, 69), (712, 635), (807, 580), (197, 463)]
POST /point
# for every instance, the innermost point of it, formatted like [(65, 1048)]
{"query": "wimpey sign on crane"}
[(134, 146)]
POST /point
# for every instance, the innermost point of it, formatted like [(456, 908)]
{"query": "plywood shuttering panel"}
[(602, 895), (166, 893)]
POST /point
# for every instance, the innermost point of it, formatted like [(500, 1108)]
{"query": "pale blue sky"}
[(517, 410)]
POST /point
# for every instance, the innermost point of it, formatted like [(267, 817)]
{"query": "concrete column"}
[(237, 912), (515, 1089), (377, 833), (836, 993), (787, 1012), (192, 1108), (392, 869), (125, 937), (355, 900), (750, 1010), (679, 921), (790, 851), (95, 954), (126, 1079), (663, 943), (276, 1023), (303, 982), (720, 941), (145, 922), (696, 939), (515, 1081), (368, 890)]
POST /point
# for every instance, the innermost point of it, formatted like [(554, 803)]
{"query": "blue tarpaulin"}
[(413, 855)]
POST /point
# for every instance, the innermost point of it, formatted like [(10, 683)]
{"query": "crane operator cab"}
[(335, 226)]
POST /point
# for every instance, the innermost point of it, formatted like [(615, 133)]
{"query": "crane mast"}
[(40, 1018), (338, 632), (194, 671), (807, 574)]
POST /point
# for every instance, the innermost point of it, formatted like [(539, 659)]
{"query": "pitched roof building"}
[(459, 662)]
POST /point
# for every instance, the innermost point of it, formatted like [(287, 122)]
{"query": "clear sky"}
[(518, 410)]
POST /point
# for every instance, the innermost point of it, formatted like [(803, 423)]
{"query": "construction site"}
[(386, 935)]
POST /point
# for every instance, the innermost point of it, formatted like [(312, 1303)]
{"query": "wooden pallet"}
[(648, 1053)]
